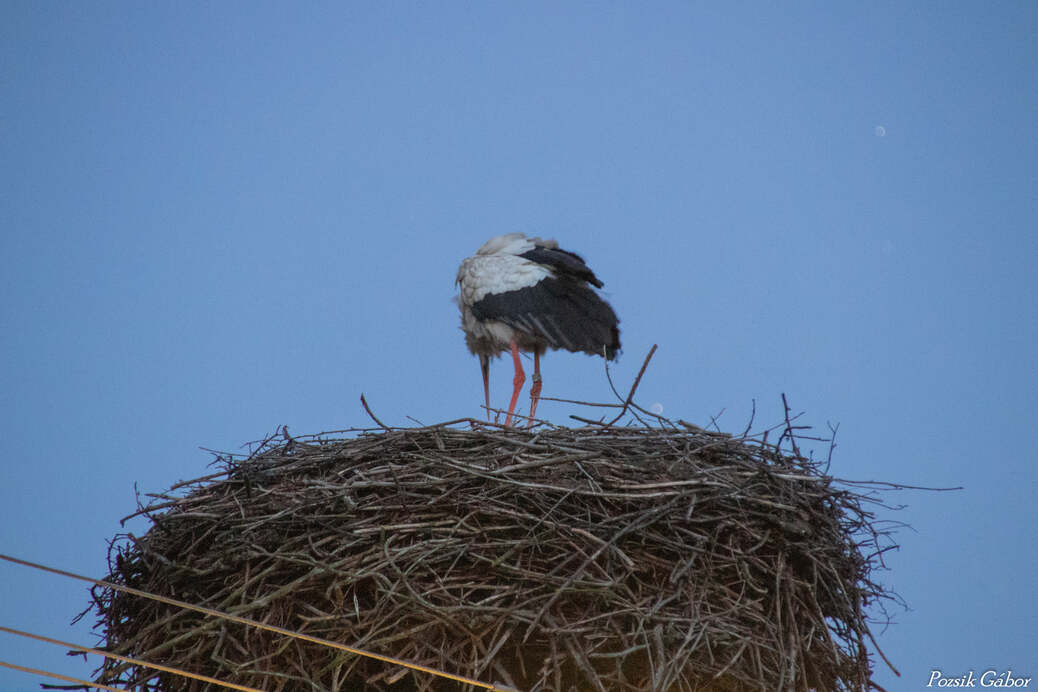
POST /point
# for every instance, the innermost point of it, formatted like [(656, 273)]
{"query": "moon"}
[(881, 131)]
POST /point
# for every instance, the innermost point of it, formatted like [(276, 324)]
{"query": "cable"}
[(127, 659), (253, 623), (59, 676)]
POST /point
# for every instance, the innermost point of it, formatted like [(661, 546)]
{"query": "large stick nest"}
[(602, 558)]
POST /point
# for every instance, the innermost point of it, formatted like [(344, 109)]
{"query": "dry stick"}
[(882, 655), (659, 418), (150, 508), (634, 388), (579, 403), (373, 417), (894, 486), (609, 378), (127, 659), (589, 421), (788, 432), (253, 623)]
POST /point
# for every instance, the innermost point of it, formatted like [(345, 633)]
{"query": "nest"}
[(601, 558)]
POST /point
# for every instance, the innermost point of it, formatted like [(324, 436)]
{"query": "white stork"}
[(526, 294)]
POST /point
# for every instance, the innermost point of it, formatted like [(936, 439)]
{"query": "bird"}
[(527, 294)]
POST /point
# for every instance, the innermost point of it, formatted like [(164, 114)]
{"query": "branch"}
[(634, 387)]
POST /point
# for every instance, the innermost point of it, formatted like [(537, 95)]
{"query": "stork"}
[(526, 294)]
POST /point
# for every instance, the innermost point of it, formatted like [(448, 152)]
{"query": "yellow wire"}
[(253, 623), (59, 676), (127, 659)]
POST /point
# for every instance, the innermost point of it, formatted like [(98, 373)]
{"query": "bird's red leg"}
[(535, 388), (484, 365), (517, 382)]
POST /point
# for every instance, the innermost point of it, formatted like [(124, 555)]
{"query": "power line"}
[(253, 623), (59, 676), (127, 659)]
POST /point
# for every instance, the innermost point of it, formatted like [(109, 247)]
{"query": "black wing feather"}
[(563, 263), (562, 312)]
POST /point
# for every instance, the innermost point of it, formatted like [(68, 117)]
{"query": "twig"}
[(788, 432), (364, 402), (882, 655), (634, 387)]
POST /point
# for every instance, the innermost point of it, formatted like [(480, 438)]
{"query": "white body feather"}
[(496, 268)]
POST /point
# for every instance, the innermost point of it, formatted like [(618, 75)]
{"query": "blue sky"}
[(220, 218)]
